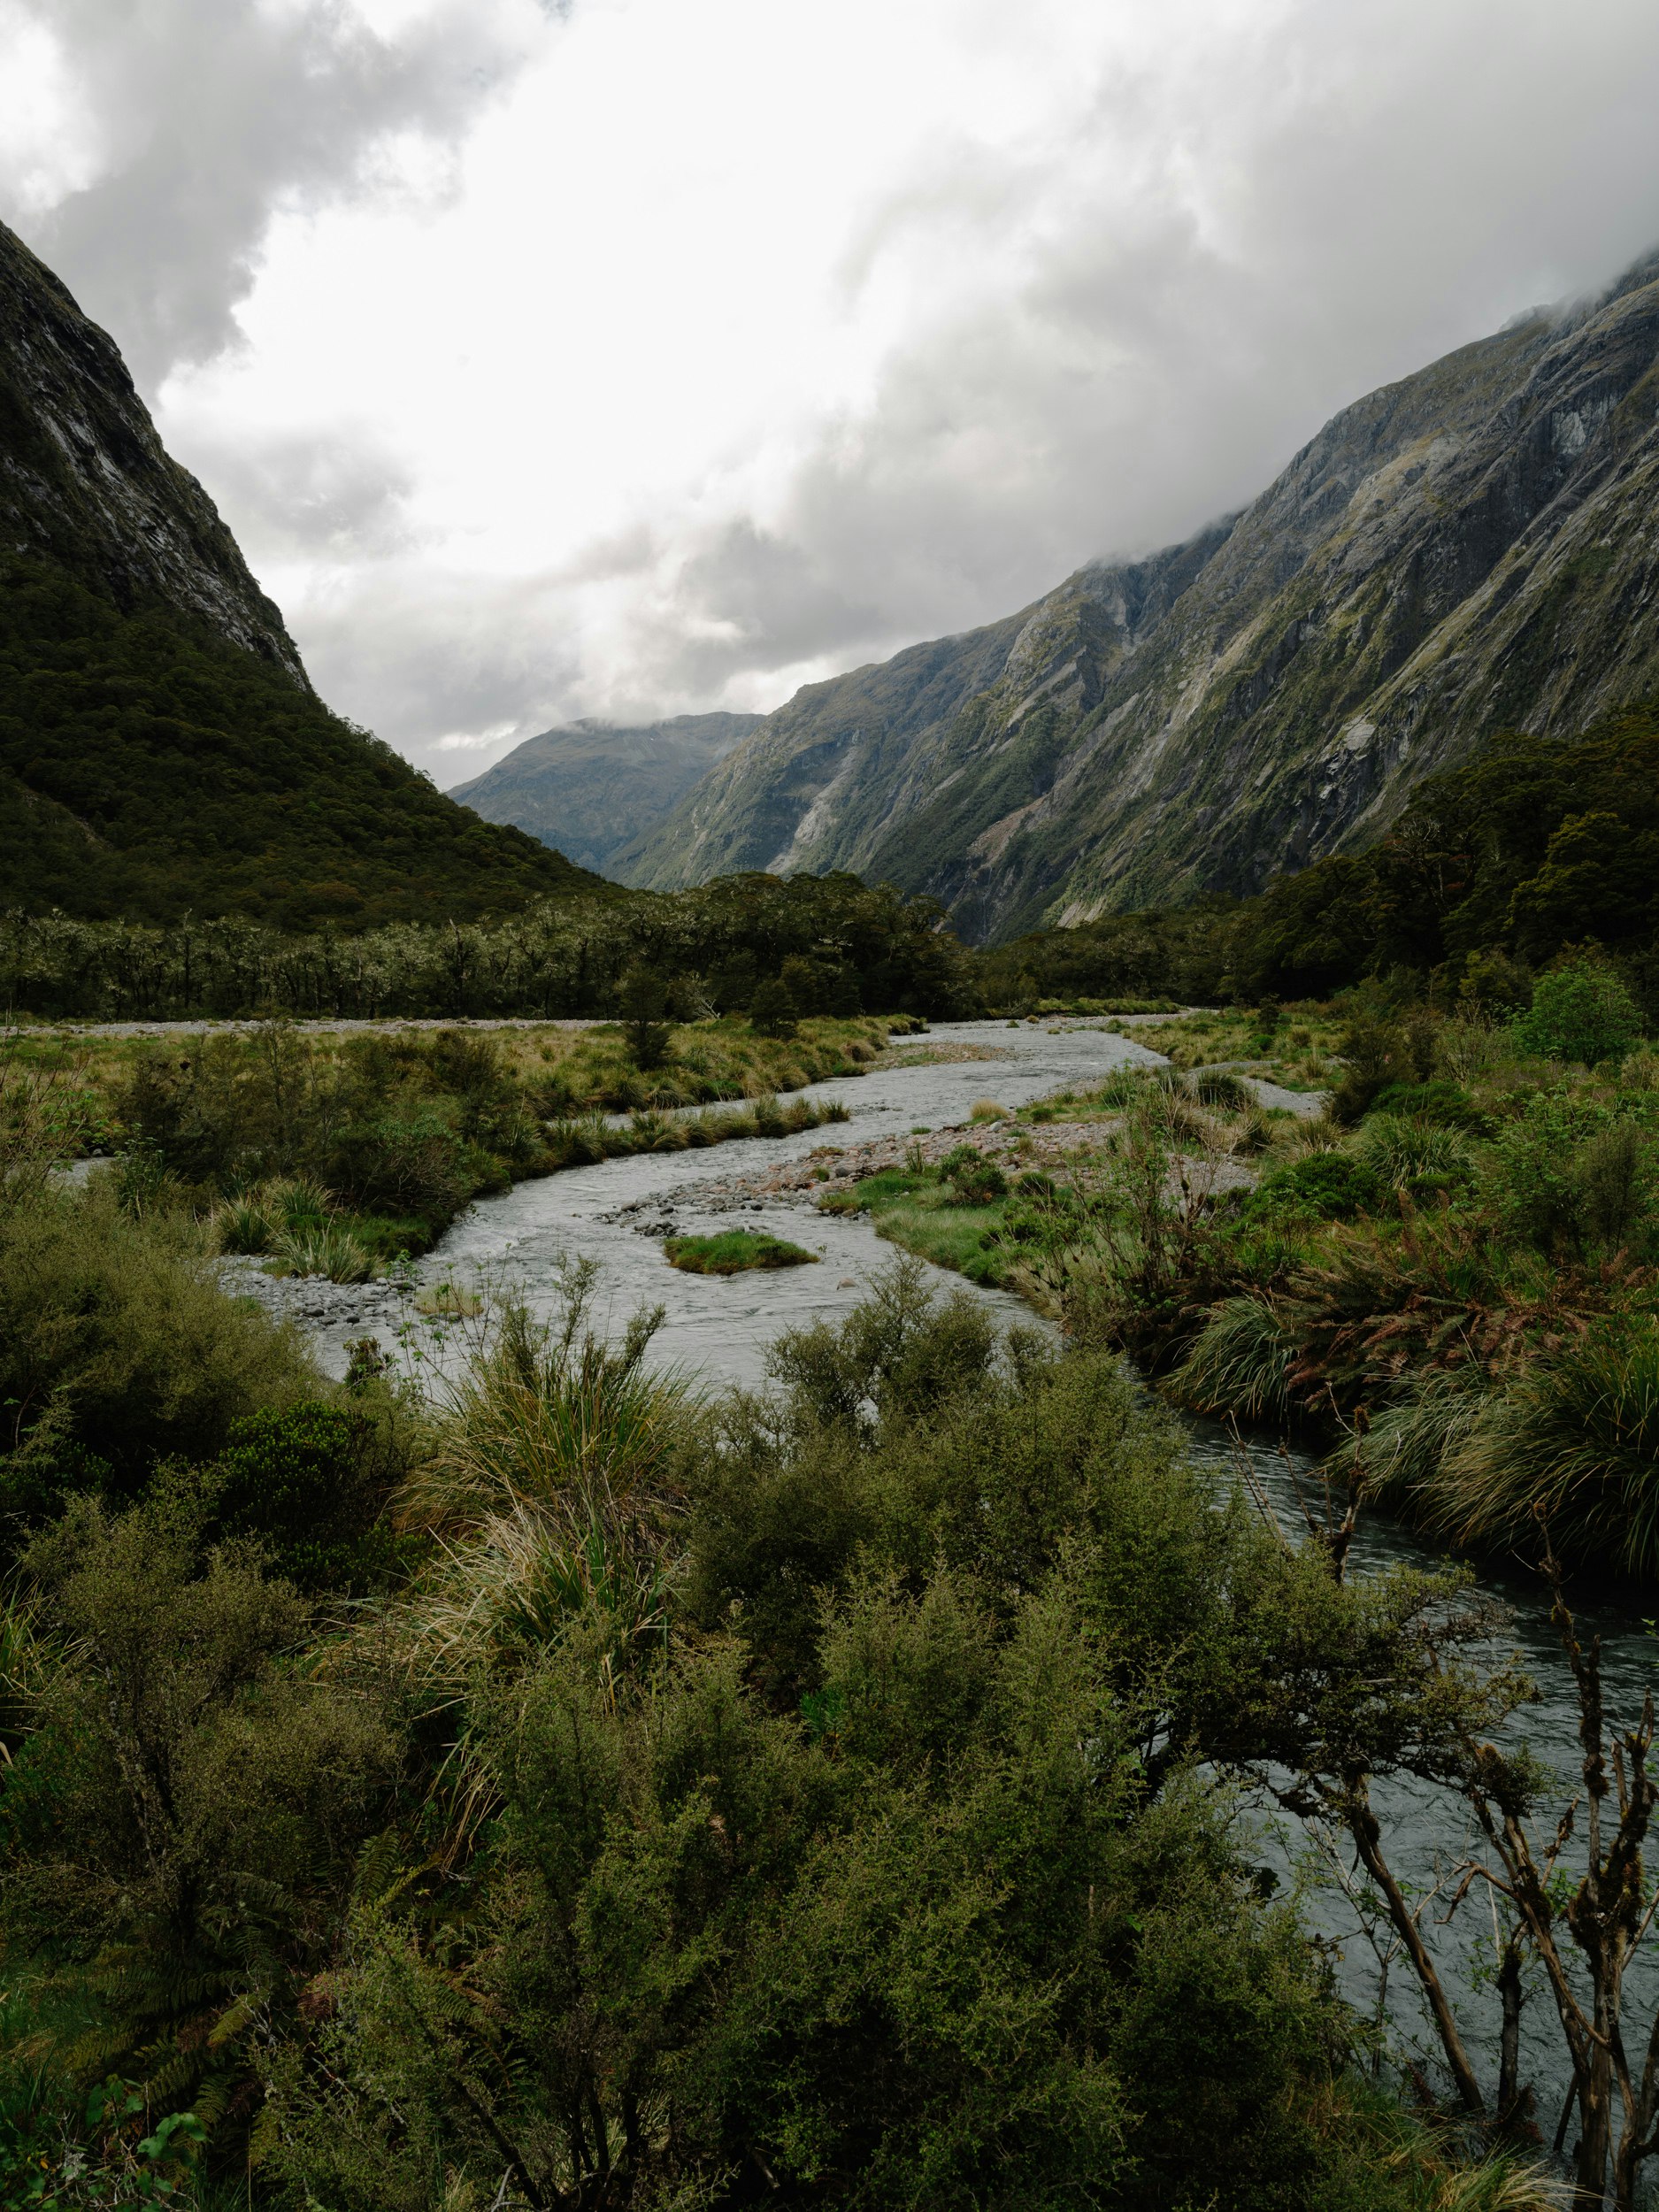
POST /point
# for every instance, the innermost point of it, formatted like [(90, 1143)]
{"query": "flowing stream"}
[(719, 1329)]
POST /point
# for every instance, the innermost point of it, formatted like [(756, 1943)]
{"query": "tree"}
[(1580, 1011), (772, 1011), (644, 999)]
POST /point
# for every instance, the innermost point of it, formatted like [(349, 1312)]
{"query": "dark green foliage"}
[(116, 1349), (974, 1180), (401, 1131), (1330, 1186), (642, 1002), (150, 769), (1438, 1100), (1176, 954), (797, 1800), (1580, 1011), (1571, 1173), (851, 944), (181, 1822), (1493, 870), (772, 1011), (876, 1901), (308, 1483), (1377, 1056)]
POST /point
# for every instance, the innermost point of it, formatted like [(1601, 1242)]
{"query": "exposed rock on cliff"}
[(85, 480), (1474, 548)]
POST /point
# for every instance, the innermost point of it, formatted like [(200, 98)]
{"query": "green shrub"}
[(1580, 1011), (1378, 1055), (1572, 1172), (1448, 1104), (643, 998), (412, 1164), (973, 1179), (118, 1346), (183, 1824), (1331, 1185), (302, 1481)]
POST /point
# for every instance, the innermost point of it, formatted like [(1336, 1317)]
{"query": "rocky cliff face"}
[(819, 782), (85, 480), (1474, 548), (593, 789)]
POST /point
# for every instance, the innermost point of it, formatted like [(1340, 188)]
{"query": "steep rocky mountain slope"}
[(593, 787), (1472, 549), (798, 792), (160, 749)]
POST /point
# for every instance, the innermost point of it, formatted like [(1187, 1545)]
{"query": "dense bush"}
[(1493, 871), (833, 945), (1580, 1011), (1332, 1186), (117, 1347), (796, 1797)]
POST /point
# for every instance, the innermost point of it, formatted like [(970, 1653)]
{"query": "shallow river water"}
[(719, 1329)]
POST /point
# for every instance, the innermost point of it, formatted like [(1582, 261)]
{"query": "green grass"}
[(916, 1211), (733, 1252)]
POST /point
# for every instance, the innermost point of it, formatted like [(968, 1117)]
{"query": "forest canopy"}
[(150, 769)]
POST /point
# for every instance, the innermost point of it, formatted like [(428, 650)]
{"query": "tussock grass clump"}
[(554, 1481), (1406, 1149), (323, 1248), (1398, 1460), (733, 1252), (1240, 1364), (1218, 1087), (1571, 1448)]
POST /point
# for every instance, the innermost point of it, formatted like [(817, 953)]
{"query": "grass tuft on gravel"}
[(733, 1252)]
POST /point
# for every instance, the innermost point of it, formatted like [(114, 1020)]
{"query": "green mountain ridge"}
[(161, 749), (1468, 549), (595, 787)]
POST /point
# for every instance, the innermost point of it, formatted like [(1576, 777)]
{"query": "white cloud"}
[(640, 356)]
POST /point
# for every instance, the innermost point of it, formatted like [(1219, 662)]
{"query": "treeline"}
[(833, 944), (1493, 870)]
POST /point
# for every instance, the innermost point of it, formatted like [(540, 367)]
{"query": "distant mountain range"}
[(1472, 549), (161, 751), (594, 788)]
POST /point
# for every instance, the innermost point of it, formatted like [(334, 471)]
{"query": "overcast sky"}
[(629, 356)]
